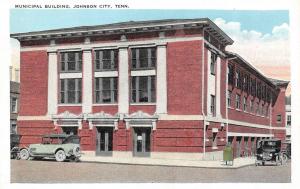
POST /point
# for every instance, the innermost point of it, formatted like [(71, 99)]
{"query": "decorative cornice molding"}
[(105, 119)]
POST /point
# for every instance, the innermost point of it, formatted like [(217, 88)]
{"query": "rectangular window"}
[(238, 101), (245, 104), (106, 90), (13, 128), (238, 79), (278, 118), (143, 58), (230, 74), (13, 106), (251, 106), (214, 140), (143, 89), (229, 94), (70, 91), (71, 61), (106, 60), (257, 108), (289, 120), (212, 105), (213, 61)]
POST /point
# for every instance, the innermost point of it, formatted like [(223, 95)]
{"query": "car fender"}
[(60, 148)]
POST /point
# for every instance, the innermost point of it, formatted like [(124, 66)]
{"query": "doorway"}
[(141, 141), (104, 141)]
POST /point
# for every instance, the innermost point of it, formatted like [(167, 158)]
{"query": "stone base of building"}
[(217, 155)]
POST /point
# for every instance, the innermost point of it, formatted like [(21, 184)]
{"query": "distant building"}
[(164, 89), (14, 105)]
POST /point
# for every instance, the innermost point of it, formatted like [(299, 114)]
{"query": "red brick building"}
[(165, 88)]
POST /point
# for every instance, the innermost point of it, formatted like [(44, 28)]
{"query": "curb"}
[(187, 166)]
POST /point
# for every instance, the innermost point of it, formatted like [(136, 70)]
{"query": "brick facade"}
[(186, 127)]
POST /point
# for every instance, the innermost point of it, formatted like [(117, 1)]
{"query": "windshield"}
[(271, 144)]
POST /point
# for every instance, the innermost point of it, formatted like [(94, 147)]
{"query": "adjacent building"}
[(162, 89)]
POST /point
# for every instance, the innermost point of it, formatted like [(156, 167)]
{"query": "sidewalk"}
[(238, 163)]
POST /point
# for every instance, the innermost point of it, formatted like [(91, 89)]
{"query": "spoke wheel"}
[(60, 156), (284, 159), (24, 154)]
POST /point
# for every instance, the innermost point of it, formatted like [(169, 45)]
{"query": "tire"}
[(284, 159), (24, 154), (60, 156)]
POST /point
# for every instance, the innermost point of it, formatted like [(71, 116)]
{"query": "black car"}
[(269, 150)]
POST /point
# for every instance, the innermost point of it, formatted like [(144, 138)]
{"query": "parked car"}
[(269, 150), (58, 146), (14, 146), (287, 149)]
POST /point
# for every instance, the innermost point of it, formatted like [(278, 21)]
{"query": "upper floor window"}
[(143, 58), (71, 61), (212, 104), (257, 108), (230, 74), (238, 101), (70, 91), (13, 105), (238, 79), (253, 87), (278, 118), (106, 60), (143, 89), (289, 120), (229, 93), (245, 104), (252, 106), (213, 61), (106, 90)]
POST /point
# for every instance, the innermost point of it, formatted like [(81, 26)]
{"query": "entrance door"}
[(141, 142), (104, 141)]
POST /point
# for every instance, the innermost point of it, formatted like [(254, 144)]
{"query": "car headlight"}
[(270, 155), (76, 150)]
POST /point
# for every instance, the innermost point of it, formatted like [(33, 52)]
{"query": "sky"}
[(261, 37)]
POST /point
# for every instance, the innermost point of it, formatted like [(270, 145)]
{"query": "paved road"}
[(51, 171)]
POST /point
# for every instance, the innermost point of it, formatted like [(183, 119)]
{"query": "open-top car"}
[(58, 146), (269, 150)]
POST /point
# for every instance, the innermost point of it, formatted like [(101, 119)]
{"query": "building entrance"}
[(104, 141), (141, 142)]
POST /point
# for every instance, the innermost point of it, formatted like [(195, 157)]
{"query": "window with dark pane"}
[(106, 90), (143, 58), (70, 91), (143, 89), (106, 60), (71, 61)]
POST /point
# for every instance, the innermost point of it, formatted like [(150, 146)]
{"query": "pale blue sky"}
[(25, 20)]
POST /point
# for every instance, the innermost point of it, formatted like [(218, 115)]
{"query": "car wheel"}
[(284, 159), (60, 156), (24, 154)]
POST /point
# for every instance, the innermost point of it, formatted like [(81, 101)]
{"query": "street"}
[(82, 172)]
